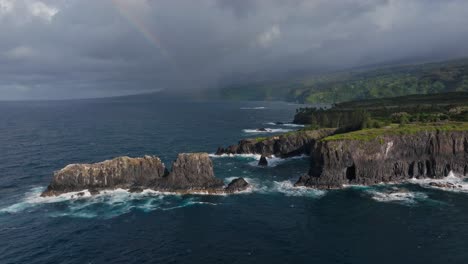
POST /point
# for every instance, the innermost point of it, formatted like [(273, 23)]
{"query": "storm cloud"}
[(87, 48)]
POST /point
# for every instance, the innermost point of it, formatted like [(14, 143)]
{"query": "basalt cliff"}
[(191, 172), (283, 146), (351, 159)]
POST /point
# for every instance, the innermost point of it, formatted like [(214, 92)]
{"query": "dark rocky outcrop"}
[(263, 161), (237, 185), (121, 172), (387, 158), (445, 185), (284, 146), (191, 172)]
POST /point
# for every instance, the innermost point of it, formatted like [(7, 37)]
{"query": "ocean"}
[(273, 222)]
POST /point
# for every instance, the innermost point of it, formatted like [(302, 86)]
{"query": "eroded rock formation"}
[(191, 172), (284, 146), (387, 158)]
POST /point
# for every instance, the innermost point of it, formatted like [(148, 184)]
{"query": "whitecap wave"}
[(450, 183), (274, 161), (284, 124), (249, 156), (267, 130), (253, 108), (293, 125), (397, 195), (288, 189), (106, 204)]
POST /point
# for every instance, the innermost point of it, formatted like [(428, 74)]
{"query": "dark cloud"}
[(86, 48)]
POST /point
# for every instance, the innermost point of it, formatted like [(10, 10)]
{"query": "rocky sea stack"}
[(191, 172), (263, 161), (359, 158)]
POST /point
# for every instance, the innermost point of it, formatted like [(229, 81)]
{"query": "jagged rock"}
[(284, 146), (443, 185), (135, 190), (263, 161), (121, 172), (262, 129), (93, 192), (237, 185), (192, 171), (387, 158)]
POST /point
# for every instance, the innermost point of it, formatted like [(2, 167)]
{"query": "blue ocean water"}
[(272, 223)]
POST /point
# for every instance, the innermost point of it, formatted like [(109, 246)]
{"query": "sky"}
[(55, 49)]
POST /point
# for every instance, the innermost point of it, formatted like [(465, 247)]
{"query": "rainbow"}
[(144, 30)]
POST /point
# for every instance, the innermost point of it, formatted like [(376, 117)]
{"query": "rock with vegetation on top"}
[(388, 155), (284, 146)]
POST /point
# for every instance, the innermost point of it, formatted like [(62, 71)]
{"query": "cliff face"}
[(387, 158), (191, 172), (121, 172), (284, 146)]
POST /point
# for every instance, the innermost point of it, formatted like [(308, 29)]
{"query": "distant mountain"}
[(363, 83)]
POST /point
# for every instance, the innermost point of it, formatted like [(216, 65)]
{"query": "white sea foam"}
[(106, 204), (284, 187), (458, 183), (293, 125), (267, 130), (249, 156), (284, 124), (397, 195), (288, 189), (274, 161), (253, 108)]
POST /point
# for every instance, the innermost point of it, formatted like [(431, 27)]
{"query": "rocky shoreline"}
[(335, 160), (191, 173), (387, 158), (283, 146), (338, 161)]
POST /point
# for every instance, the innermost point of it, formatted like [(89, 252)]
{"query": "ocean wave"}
[(286, 188), (396, 195), (284, 124), (267, 130), (273, 161), (253, 108), (106, 204), (248, 156), (293, 125), (450, 183)]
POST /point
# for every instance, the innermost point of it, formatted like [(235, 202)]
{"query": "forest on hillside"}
[(431, 78)]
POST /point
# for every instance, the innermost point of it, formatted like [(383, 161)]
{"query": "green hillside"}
[(450, 76)]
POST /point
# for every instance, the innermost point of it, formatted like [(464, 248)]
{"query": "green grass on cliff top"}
[(394, 129)]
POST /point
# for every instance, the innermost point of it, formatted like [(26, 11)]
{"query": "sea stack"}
[(191, 173), (237, 185), (263, 161), (121, 172)]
